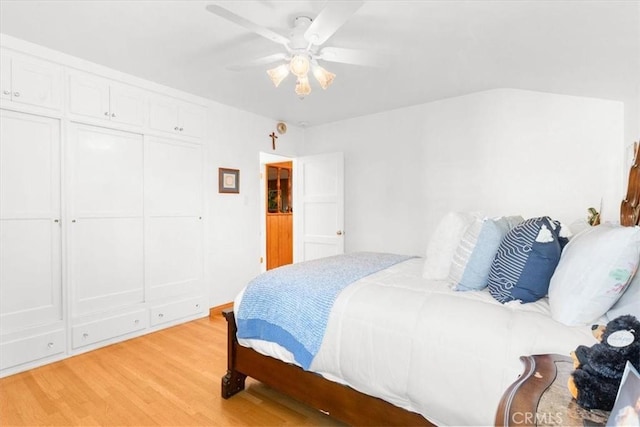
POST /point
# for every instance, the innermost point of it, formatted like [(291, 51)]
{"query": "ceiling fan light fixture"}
[(278, 74), (299, 65), (324, 77), (303, 88)]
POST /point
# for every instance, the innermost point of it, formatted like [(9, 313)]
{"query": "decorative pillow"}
[(595, 269), (526, 260), (443, 244), (629, 302), (473, 257)]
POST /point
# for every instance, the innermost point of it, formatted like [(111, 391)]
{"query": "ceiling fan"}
[(304, 46)]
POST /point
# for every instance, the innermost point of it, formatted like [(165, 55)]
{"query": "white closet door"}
[(173, 211), (106, 194), (30, 249)]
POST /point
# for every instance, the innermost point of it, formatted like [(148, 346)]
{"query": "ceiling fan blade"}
[(330, 19), (258, 62), (352, 56), (243, 22)]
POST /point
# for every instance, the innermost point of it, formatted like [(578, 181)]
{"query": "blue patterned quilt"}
[(290, 305)]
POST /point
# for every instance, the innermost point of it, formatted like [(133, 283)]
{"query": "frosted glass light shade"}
[(303, 87), (278, 74), (299, 65), (324, 77)]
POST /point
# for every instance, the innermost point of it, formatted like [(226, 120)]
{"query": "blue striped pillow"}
[(525, 261), (472, 260)]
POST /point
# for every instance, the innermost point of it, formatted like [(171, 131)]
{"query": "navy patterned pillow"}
[(525, 261)]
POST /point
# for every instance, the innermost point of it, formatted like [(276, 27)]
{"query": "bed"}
[(399, 348)]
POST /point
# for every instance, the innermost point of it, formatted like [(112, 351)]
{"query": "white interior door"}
[(107, 268), (30, 250), (173, 217), (319, 201)]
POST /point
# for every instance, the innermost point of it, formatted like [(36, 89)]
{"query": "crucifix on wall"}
[(273, 139)]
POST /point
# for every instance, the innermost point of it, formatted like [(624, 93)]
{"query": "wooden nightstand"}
[(539, 397)]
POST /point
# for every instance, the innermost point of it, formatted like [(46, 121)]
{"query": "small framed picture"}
[(228, 180)]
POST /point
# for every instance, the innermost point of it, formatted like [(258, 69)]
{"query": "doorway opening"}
[(279, 213)]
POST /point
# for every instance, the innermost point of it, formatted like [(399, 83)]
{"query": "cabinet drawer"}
[(104, 329), (32, 348), (176, 310)]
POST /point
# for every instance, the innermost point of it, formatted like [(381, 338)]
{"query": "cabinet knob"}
[(50, 345), (339, 232), (136, 321), (113, 114), (176, 128), (16, 94), (85, 336), (160, 315), (197, 305), (181, 129), (106, 113), (73, 220), (6, 92), (56, 220)]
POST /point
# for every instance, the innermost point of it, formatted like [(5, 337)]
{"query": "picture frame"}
[(228, 180)]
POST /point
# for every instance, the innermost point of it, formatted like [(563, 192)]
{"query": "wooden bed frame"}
[(342, 402), (336, 400)]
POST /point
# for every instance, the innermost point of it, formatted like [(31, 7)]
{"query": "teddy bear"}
[(598, 369)]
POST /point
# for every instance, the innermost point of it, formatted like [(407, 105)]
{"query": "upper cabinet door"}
[(88, 95), (127, 104), (192, 120), (31, 81), (5, 76), (177, 117), (163, 115), (98, 98)]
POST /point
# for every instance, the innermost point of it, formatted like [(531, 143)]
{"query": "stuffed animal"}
[(598, 369)]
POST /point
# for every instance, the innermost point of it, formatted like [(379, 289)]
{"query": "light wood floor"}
[(169, 378)]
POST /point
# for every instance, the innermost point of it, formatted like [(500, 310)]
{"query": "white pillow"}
[(472, 258), (444, 243), (594, 270), (629, 302)]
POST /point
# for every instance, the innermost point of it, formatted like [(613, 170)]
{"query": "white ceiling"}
[(436, 49)]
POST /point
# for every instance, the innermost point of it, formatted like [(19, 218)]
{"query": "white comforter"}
[(419, 345)]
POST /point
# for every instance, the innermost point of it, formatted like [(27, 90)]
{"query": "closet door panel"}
[(30, 294), (173, 203), (174, 177), (30, 248), (30, 166), (108, 260), (107, 172), (174, 255), (107, 263)]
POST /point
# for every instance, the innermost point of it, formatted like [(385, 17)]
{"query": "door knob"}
[(339, 232)]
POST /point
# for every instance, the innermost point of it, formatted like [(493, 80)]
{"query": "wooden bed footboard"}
[(336, 400)]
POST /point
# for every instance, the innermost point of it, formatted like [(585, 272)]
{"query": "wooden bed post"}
[(233, 381)]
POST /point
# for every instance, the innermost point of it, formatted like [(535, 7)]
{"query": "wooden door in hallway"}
[(279, 214)]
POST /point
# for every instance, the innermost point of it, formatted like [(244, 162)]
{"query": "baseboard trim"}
[(217, 310)]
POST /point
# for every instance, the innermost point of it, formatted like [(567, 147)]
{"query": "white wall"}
[(499, 152), (235, 139)]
